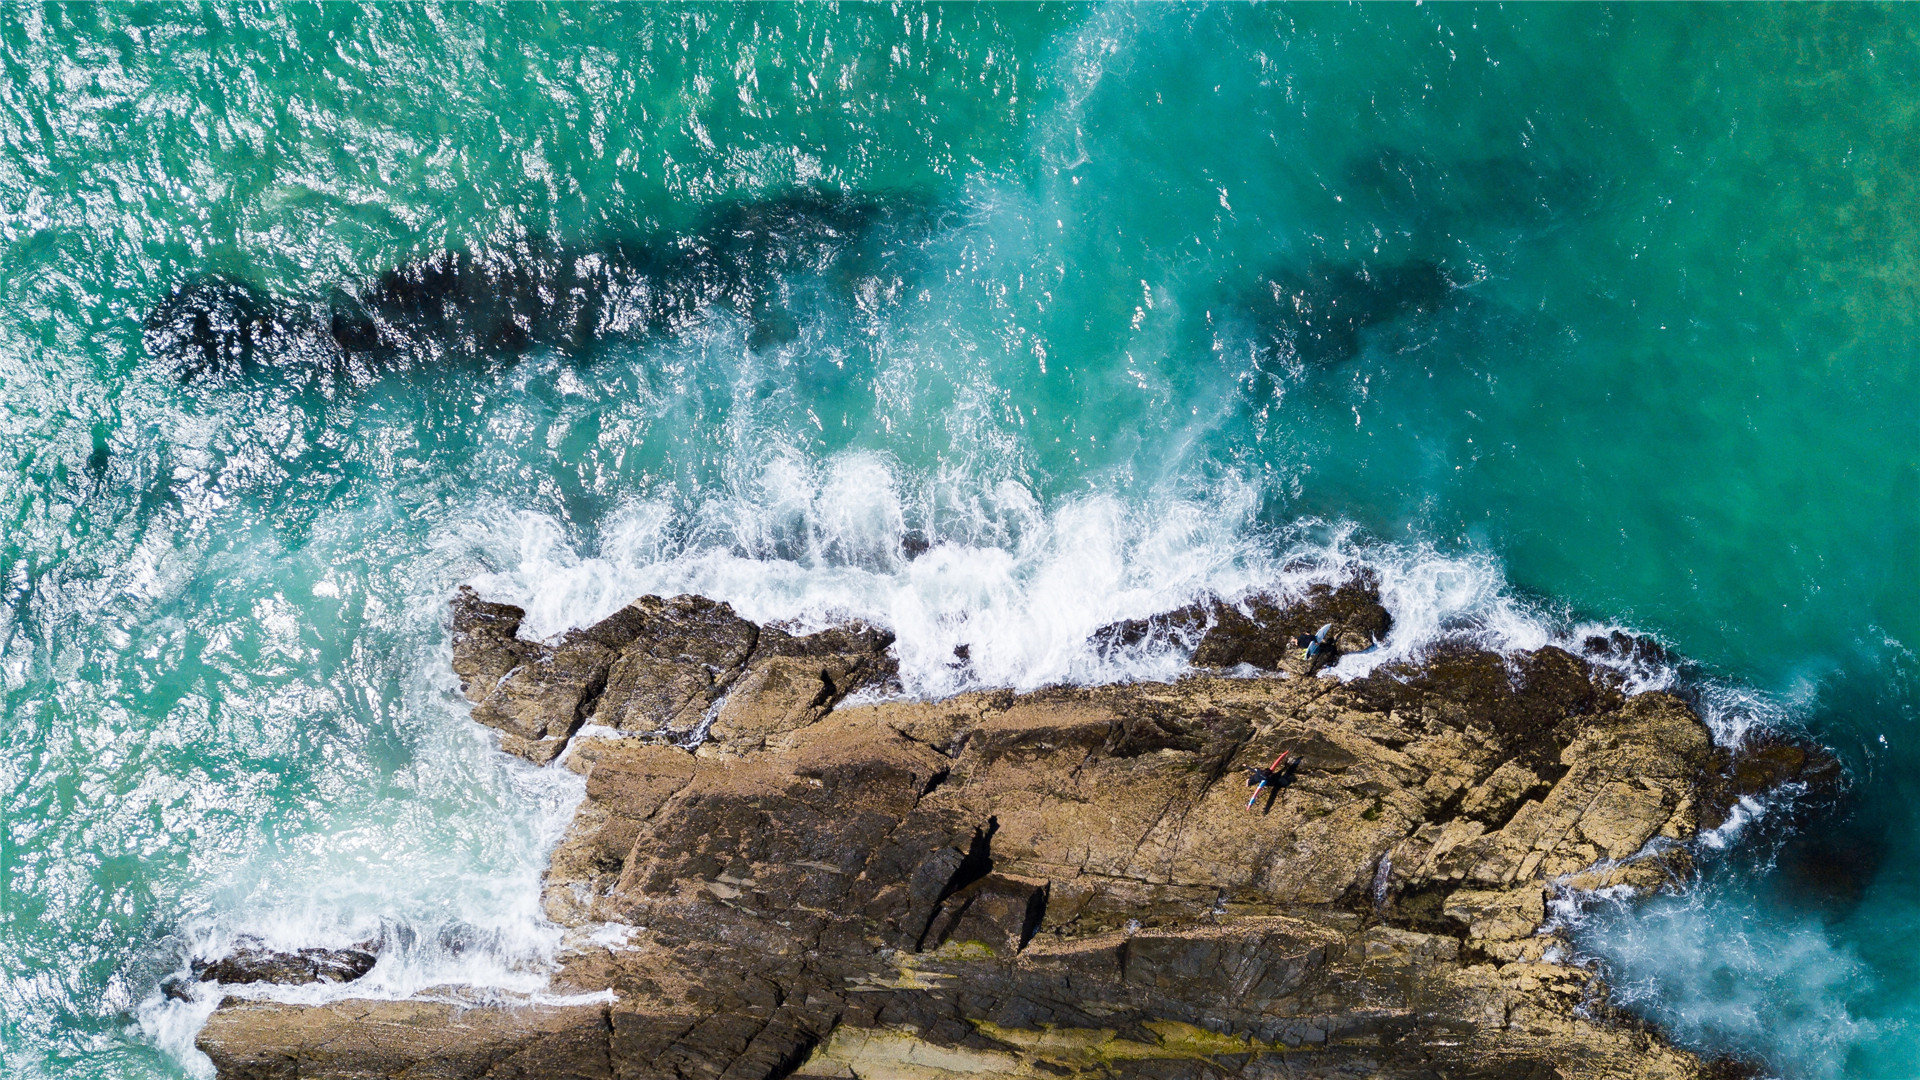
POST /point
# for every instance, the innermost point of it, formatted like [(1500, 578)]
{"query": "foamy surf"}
[(447, 897), (1720, 980), (1021, 610)]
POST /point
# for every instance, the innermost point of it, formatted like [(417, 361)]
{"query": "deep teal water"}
[(1555, 313)]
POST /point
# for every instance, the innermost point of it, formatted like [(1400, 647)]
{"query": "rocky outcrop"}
[(1262, 631), (250, 961), (1068, 883), (655, 667)]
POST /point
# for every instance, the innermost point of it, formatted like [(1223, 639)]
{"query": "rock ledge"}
[(1067, 883)]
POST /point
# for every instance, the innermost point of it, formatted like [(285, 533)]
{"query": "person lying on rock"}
[(1258, 778)]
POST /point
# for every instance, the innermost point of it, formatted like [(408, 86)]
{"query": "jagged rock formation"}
[(654, 667), (1066, 883), (252, 962), (1261, 631)]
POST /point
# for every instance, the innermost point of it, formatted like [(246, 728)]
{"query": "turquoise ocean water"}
[(1557, 317)]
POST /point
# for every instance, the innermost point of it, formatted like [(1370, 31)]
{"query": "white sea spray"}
[(1024, 610)]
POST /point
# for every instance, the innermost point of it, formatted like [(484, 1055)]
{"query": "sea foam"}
[(1020, 586)]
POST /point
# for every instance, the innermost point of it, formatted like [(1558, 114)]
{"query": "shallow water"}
[(1554, 316)]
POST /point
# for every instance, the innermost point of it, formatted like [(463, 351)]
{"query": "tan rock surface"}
[(1069, 883)]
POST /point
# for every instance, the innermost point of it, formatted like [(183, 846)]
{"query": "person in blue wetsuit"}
[(1316, 642)]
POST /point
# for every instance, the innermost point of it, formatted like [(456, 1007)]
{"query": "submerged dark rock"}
[(1066, 883), (1316, 317), (1765, 762), (214, 327), (532, 292), (1831, 864)]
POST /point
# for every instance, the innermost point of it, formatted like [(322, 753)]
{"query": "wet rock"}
[(263, 1040), (1767, 761), (1262, 631), (781, 694), (673, 659), (855, 641), (794, 681), (1069, 883), (1183, 627), (1623, 648), (253, 963), (628, 781), (657, 667), (1530, 703), (536, 694)]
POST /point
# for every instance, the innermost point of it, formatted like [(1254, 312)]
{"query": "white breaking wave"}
[(448, 897), (815, 543), (1719, 980)]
